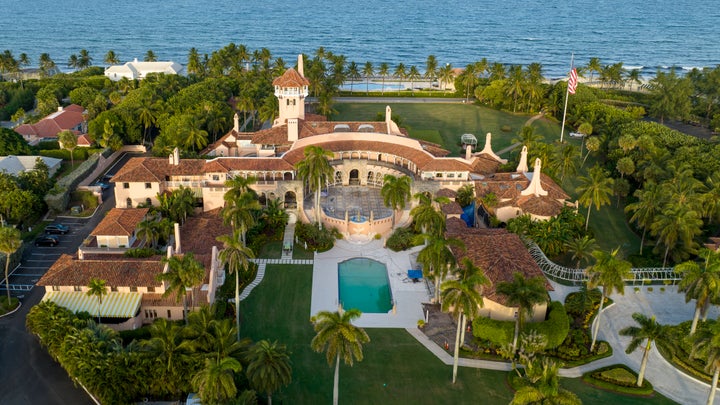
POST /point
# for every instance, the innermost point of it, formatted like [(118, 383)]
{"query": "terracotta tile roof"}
[(83, 140), (419, 157), (455, 225), (452, 208), (446, 165), (144, 169), (484, 164), (199, 233), (499, 253), (434, 149), (225, 165), (306, 128), (157, 300), (446, 192), (291, 78), (120, 222), (120, 272), (224, 140), (553, 189), (48, 127), (542, 206)]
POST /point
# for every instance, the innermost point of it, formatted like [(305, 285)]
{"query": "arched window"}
[(354, 177), (148, 202), (128, 202)]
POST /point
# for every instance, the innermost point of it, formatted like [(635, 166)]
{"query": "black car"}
[(47, 240), (57, 229)]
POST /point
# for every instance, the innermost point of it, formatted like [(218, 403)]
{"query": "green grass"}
[(396, 368), (271, 250), (451, 121)]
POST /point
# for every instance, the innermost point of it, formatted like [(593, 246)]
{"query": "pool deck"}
[(407, 294)]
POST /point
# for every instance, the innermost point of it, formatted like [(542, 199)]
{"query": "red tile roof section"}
[(141, 169), (119, 272), (120, 222), (291, 78), (69, 118)]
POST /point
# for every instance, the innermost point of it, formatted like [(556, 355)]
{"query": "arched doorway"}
[(290, 200), (354, 177)]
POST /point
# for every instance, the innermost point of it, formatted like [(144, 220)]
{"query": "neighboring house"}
[(500, 254), (17, 164), (71, 118), (136, 70), (30, 73), (117, 229)]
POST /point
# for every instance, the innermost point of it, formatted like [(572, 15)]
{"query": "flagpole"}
[(567, 94)]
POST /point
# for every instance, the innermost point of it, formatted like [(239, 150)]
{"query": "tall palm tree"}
[(268, 367), (649, 330), (463, 298), (236, 256), (700, 282), (564, 159), (581, 249), (315, 170), (546, 390), (594, 189), (46, 63), (400, 74), (171, 351), (237, 185), (707, 347), (240, 213), (149, 231), (446, 75), (413, 75), (150, 56), (97, 288), (9, 242), (426, 217), (353, 73), (84, 59), (676, 227), (436, 257), (384, 72), (525, 294), (610, 273), (215, 382), (184, 272), (338, 338), (646, 208), (111, 58), (515, 84), (368, 72), (594, 66), (395, 192)]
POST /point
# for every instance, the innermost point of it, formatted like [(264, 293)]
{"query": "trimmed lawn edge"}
[(646, 390)]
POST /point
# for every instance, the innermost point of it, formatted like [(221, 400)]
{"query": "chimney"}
[(135, 60), (177, 237), (60, 109), (236, 123), (468, 152), (488, 149), (388, 118), (176, 156), (522, 166), (215, 277), (293, 129), (301, 69), (535, 186)]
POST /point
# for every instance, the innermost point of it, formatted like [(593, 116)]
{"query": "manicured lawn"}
[(396, 368), (451, 121), (271, 250)]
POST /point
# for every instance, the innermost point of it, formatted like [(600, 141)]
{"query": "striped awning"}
[(114, 304)]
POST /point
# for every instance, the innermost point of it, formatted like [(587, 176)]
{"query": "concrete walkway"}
[(288, 239), (669, 307)]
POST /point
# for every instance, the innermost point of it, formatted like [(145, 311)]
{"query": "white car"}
[(576, 135)]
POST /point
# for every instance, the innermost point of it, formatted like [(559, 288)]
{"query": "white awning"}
[(114, 304)]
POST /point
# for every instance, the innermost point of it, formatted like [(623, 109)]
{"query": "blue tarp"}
[(468, 215), (414, 273)]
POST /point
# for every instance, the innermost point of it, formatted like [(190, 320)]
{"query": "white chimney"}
[(468, 152), (60, 109), (522, 166), (293, 129), (214, 275), (236, 123), (301, 69), (488, 149), (177, 237), (535, 186), (388, 118), (176, 156)]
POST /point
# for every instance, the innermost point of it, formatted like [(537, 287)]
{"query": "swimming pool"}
[(363, 284)]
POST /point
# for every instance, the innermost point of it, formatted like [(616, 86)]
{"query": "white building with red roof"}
[(71, 118)]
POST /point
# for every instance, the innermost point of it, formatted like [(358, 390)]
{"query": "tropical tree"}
[(338, 338), (268, 367), (700, 282), (609, 272), (68, 141), (594, 66), (413, 75), (431, 65), (671, 96), (97, 288), (183, 273), (400, 74), (463, 298), (436, 257), (395, 192), (46, 64), (525, 294), (546, 389), (564, 159), (84, 59), (646, 208), (171, 352), (707, 347), (465, 195), (240, 213), (446, 75), (236, 256), (10, 241), (111, 58), (581, 249), (426, 217), (676, 227), (353, 73), (150, 56), (648, 331), (368, 72), (384, 72), (594, 189), (315, 170), (215, 382)]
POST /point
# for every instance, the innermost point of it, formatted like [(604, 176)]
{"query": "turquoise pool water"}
[(363, 284)]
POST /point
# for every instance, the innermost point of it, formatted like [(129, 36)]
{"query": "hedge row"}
[(59, 197), (597, 379), (555, 328)]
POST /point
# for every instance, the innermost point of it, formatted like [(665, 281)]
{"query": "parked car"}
[(576, 134), (57, 229), (47, 240), (103, 185)]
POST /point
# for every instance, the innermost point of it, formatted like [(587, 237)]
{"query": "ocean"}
[(647, 35)]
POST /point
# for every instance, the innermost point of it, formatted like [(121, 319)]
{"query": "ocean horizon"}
[(678, 33)]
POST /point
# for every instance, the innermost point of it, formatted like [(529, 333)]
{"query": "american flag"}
[(572, 81)]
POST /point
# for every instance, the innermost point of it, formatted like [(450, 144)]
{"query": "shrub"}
[(141, 252), (555, 328), (506, 128), (317, 239), (497, 332), (618, 378), (402, 239)]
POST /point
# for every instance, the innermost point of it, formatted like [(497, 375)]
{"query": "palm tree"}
[(463, 298), (431, 67), (515, 84), (240, 213), (46, 63), (9, 242), (413, 75), (169, 349), (400, 74), (315, 170), (368, 72), (235, 255), (426, 217), (238, 185), (546, 390), (353, 73), (446, 75), (610, 273), (149, 231), (150, 56), (68, 141), (594, 189), (436, 257), (594, 66), (565, 159), (84, 60), (700, 282), (384, 71), (707, 346), (465, 195), (182, 273), (395, 192), (338, 338), (648, 330), (215, 382), (645, 208), (111, 58), (268, 367), (581, 249), (677, 224), (98, 288), (468, 79), (525, 294)]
